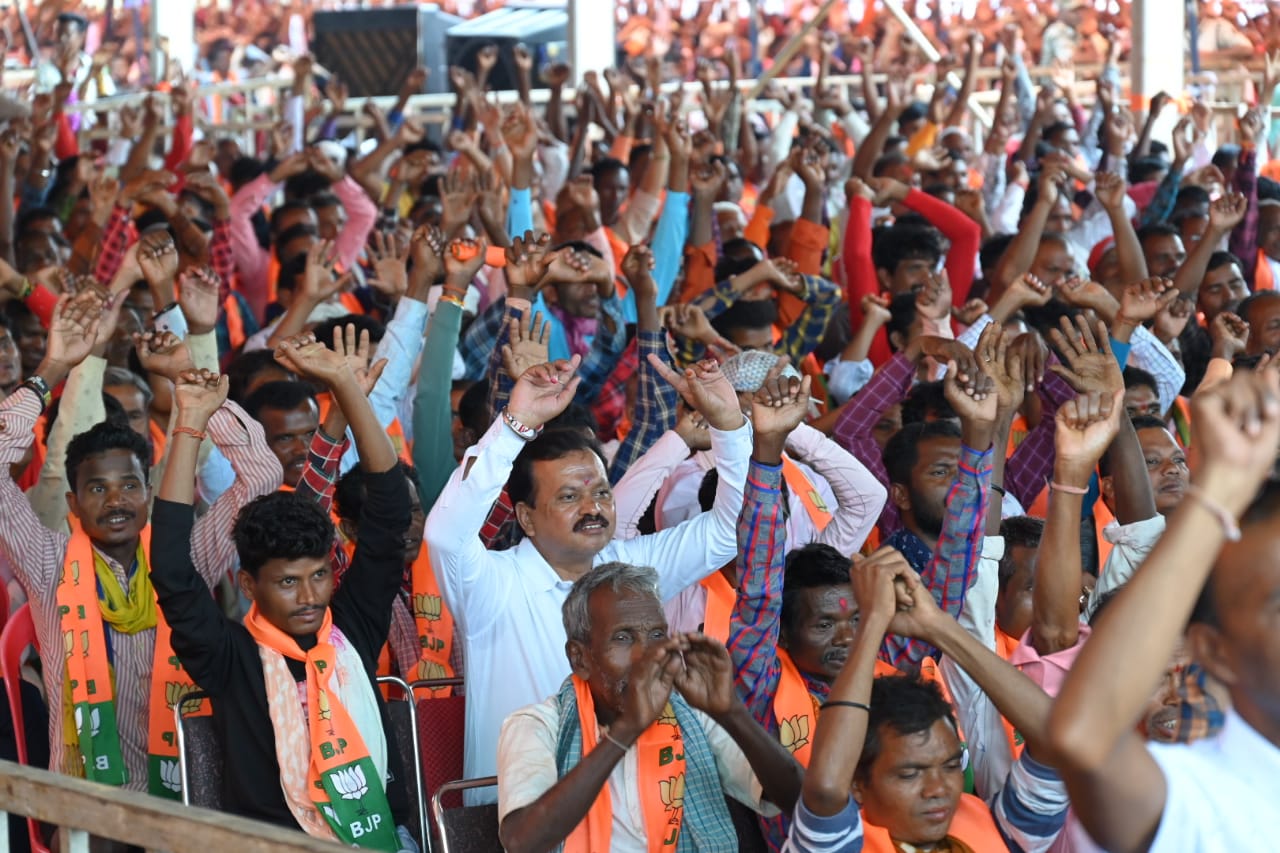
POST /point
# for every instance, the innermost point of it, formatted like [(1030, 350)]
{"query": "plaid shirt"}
[(221, 256), (757, 612), (482, 351), (800, 338), (611, 403), (950, 571), (655, 404), (116, 238)]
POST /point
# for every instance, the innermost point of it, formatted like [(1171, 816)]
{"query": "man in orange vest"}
[(887, 772)]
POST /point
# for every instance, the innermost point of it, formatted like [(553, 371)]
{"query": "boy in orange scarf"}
[(292, 689)]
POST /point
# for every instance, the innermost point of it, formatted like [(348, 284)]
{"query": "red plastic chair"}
[(18, 635), (441, 730)]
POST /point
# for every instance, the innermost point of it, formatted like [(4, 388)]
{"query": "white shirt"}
[(527, 770), (1222, 793), (507, 603), (1130, 545)]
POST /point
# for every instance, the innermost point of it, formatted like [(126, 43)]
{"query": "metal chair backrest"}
[(466, 829)]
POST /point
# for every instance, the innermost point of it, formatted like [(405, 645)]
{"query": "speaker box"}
[(373, 50), (540, 25)]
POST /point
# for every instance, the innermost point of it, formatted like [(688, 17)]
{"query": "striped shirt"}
[(38, 554), (1029, 812)]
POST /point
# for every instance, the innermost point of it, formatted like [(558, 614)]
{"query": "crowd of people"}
[(908, 488)]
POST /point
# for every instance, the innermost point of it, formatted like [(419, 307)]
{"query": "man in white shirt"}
[(507, 603), (1219, 794)]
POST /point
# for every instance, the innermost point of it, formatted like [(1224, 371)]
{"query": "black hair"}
[(287, 278), (811, 566), (747, 314), (1143, 169), (1191, 194), (552, 444), (905, 241), (245, 169), (736, 257), (902, 313), (1226, 155), (1021, 531), (578, 246), (473, 407), (643, 149), (906, 705), (1136, 377), (914, 112), (575, 416), (280, 396), (1221, 258), (280, 525), (29, 215), (324, 331), (605, 166), (304, 185), (293, 232), (286, 207), (887, 161), (927, 399), (324, 199), (245, 367), (1157, 229), (101, 438), (903, 450), (351, 490), (1268, 190), (992, 251)]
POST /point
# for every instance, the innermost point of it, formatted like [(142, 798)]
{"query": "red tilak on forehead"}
[(844, 604)]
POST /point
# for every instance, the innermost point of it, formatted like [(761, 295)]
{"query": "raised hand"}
[(1085, 427), (200, 297), (426, 248), (1143, 300), (1090, 364), (933, 301), (1081, 293), (205, 186), (875, 309), (1230, 335), (197, 394), (875, 582), (357, 350), (780, 404), (527, 261), (637, 266), (1228, 212), (544, 391), (917, 613), (969, 313), (527, 344), (1109, 190), (163, 353), (1005, 368), (944, 350), (158, 258), (390, 274), (692, 428), (457, 198), (648, 689), (704, 387), (1172, 319), (462, 261), (319, 282), (73, 331), (706, 680), (313, 360), (520, 131)]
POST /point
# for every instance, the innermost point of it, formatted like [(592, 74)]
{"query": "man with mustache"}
[(507, 603), (290, 417), (292, 689), (108, 636)]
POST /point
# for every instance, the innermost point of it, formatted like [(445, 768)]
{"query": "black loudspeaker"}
[(373, 50), (540, 25)]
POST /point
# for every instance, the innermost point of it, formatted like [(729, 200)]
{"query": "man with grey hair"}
[(507, 603), (644, 740)]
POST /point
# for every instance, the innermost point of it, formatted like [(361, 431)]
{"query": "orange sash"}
[(434, 622), (1262, 277), (661, 770), (351, 303), (972, 826), (802, 487), (90, 713), (720, 600), (796, 709), (159, 438), (235, 322)]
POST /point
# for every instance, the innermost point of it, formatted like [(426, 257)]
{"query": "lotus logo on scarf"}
[(672, 791), (668, 717), (170, 776), (174, 691), (427, 607), (95, 720), (351, 783), (430, 669), (794, 732)]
